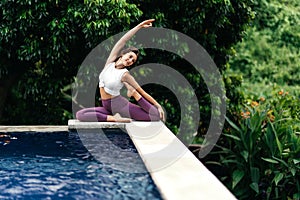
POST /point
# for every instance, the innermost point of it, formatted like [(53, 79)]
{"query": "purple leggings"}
[(144, 112)]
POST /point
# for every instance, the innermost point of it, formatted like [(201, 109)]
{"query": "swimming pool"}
[(56, 165)]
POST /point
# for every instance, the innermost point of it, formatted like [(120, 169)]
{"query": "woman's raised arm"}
[(121, 43)]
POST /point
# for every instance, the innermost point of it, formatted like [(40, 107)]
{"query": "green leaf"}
[(233, 125), (293, 171), (255, 187), (237, 176), (279, 145), (231, 161), (213, 163), (281, 161), (270, 160), (255, 123), (245, 155), (76, 14), (278, 177), (254, 174), (296, 161), (232, 136)]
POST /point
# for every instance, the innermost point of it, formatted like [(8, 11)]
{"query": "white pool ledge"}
[(177, 173), (30, 128), (76, 124)]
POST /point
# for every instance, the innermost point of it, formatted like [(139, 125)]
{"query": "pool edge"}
[(31, 128), (177, 173), (185, 177), (76, 124)]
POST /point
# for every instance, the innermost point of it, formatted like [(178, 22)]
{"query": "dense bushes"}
[(270, 51), (43, 44), (263, 58), (261, 150)]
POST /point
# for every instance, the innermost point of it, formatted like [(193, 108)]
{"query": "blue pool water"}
[(57, 166)]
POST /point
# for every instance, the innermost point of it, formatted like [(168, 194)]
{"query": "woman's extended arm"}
[(153, 101), (121, 43), (130, 80)]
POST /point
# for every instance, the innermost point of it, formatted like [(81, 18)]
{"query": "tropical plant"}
[(258, 153), (262, 152)]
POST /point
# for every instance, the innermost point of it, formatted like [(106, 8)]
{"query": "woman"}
[(112, 78)]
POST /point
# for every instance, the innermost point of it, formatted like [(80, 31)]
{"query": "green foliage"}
[(260, 147), (42, 44), (279, 173), (268, 60), (216, 25), (270, 52), (261, 151), (261, 58)]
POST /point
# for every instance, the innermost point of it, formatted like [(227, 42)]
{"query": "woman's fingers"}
[(161, 114), (147, 23)]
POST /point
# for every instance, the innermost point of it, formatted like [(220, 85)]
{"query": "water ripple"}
[(56, 166)]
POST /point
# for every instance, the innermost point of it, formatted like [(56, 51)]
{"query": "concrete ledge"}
[(33, 128), (74, 124), (177, 173), (175, 170)]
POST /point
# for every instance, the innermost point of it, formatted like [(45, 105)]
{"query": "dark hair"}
[(127, 50), (130, 49)]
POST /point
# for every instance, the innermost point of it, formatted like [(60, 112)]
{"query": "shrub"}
[(261, 151)]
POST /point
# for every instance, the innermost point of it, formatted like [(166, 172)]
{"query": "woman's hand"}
[(146, 23), (121, 43), (161, 113)]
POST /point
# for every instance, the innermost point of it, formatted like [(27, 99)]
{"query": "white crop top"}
[(110, 79)]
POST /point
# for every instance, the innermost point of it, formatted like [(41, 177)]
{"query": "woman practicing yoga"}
[(113, 77)]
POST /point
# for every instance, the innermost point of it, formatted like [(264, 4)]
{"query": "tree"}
[(270, 52), (42, 44), (217, 26)]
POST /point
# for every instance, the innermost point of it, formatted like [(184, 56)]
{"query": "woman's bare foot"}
[(130, 90), (118, 118)]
